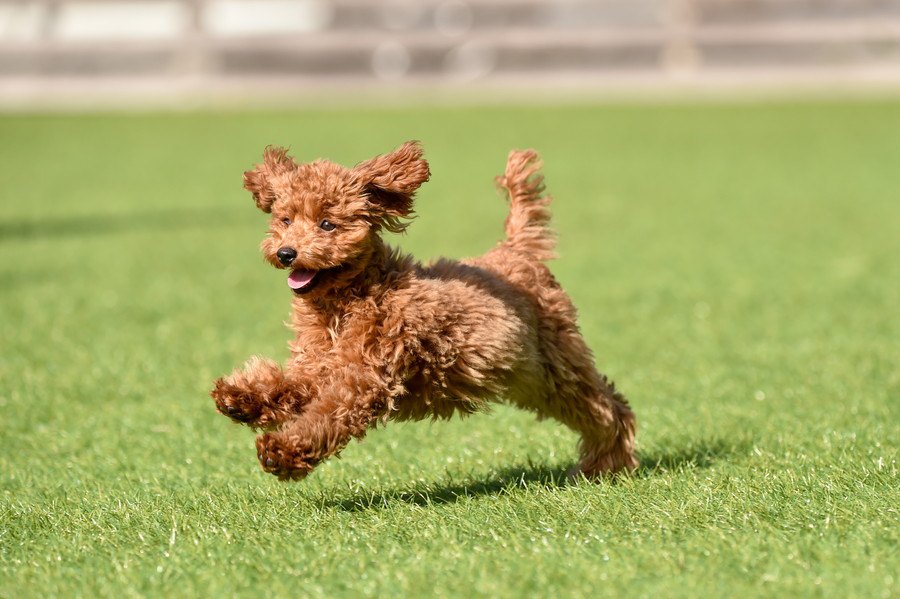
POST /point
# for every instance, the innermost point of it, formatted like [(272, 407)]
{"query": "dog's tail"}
[(527, 226)]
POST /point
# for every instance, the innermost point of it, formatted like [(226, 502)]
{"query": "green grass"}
[(737, 271)]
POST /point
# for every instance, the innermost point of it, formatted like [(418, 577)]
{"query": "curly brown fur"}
[(382, 337)]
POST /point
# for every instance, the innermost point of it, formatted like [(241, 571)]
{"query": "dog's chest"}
[(318, 334)]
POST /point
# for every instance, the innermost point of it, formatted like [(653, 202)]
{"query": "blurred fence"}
[(213, 43)]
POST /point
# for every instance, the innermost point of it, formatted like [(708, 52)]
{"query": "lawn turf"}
[(737, 272)]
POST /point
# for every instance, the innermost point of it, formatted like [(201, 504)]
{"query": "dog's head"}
[(325, 217)]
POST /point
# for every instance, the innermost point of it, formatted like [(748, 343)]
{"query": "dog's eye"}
[(327, 225), (286, 221)]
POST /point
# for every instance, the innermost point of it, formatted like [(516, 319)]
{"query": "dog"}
[(380, 336)]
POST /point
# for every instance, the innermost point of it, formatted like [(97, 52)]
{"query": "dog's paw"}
[(235, 402), (285, 460)]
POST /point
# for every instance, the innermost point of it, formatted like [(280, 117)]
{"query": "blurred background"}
[(115, 52)]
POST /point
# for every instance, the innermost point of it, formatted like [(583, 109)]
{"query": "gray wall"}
[(159, 46)]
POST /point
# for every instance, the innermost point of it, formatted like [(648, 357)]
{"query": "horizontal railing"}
[(385, 40)]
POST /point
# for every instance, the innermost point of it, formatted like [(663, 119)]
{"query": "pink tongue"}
[(299, 278)]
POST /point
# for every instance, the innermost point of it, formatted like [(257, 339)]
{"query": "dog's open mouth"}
[(301, 280)]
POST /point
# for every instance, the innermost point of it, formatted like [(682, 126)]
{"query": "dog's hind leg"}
[(257, 395), (607, 428), (572, 392), (592, 406), (583, 399), (602, 417)]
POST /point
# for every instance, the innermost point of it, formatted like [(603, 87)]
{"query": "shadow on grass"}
[(174, 219), (701, 454), (499, 483)]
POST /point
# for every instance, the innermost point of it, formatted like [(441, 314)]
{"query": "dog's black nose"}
[(286, 255)]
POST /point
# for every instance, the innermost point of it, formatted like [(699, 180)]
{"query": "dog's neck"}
[(378, 270)]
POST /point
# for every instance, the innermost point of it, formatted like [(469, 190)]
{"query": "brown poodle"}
[(379, 336)]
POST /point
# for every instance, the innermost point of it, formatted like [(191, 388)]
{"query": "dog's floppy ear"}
[(390, 182), (275, 162)]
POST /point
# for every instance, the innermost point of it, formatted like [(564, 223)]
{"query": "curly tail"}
[(527, 226)]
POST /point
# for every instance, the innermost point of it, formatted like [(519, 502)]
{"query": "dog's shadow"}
[(701, 454)]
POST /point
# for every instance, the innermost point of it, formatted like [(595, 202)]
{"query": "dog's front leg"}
[(258, 394), (349, 402)]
